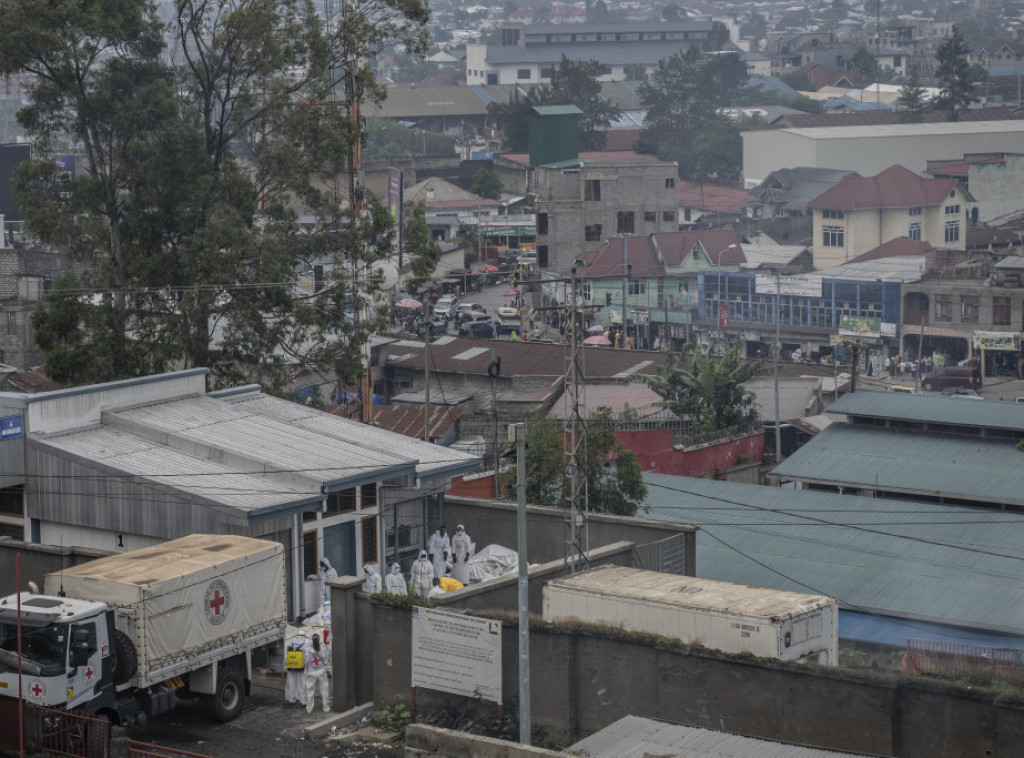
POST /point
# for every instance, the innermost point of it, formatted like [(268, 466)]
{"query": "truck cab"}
[(66, 649)]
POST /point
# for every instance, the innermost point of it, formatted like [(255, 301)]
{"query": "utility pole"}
[(775, 365), (625, 288), (577, 538), (493, 370), (426, 369), (524, 589)]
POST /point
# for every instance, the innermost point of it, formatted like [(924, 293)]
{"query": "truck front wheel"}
[(226, 703)]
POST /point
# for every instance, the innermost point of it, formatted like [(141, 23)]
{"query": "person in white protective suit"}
[(394, 583), (372, 585), (438, 547), (462, 551), (422, 574), (325, 574), (295, 678), (316, 675)]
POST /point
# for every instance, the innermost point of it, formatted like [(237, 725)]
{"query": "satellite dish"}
[(388, 274)]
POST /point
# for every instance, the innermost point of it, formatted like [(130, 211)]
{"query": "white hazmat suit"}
[(316, 675), (422, 574), (462, 551), (438, 547), (394, 583), (325, 574), (295, 679), (372, 584)]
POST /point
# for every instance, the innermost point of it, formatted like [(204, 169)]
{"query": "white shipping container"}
[(189, 601), (734, 618)]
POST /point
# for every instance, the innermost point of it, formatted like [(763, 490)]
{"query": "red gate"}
[(72, 734)]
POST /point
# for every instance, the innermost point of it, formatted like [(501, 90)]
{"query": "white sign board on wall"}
[(456, 653)]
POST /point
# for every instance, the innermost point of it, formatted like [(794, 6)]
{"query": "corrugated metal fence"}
[(667, 556), (957, 660)]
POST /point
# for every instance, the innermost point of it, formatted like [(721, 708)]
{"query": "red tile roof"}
[(896, 187), (607, 259), (621, 140), (32, 381), (894, 248), (675, 246), (714, 198)]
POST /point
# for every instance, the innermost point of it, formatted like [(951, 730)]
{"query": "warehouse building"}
[(869, 150), (129, 464)]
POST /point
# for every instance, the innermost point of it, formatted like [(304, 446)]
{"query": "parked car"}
[(952, 376), (446, 307), (438, 328), (465, 308), (483, 328), (962, 393)]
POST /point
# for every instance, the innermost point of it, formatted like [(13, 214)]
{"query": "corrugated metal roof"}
[(262, 442), (432, 461), (635, 737), (214, 482), (967, 468), (920, 561), (992, 414)]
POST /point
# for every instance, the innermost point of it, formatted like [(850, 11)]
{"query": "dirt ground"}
[(268, 726)]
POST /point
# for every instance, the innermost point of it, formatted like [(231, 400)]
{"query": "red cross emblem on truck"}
[(89, 674), (218, 601), (37, 690)]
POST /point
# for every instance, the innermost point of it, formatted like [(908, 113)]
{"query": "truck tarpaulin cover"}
[(188, 595)]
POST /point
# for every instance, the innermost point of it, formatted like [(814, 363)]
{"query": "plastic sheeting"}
[(493, 561)]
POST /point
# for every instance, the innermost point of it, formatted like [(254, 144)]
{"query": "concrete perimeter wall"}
[(494, 522), (584, 678), (422, 740), (37, 561)]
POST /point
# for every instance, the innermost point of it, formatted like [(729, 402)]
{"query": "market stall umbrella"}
[(598, 339), (409, 303), (596, 329), (488, 269), (512, 293)]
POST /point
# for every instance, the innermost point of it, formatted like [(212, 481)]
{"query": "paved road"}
[(268, 726)]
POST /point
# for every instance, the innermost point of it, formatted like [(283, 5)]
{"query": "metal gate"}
[(145, 750), (667, 556), (73, 734)]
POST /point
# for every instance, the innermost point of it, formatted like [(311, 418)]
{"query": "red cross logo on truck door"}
[(89, 674), (37, 690), (218, 601)]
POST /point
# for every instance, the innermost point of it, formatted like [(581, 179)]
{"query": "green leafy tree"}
[(486, 184), (708, 392), (572, 83), (513, 117), (387, 139), (576, 83), (420, 248), (866, 64), (635, 72), (671, 12), (598, 13), (184, 216), (719, 152), (717, 38), (613, 475), (682, 98), (911, 101), (956, 90)]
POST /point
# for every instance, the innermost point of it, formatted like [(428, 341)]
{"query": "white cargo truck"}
[(123, 636), (735, 618)]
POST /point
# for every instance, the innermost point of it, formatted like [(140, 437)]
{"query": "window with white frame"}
[(832, 236), (952, 210), (637, 287), (832, 213), (952, 231), (916, 211), (915, 231)]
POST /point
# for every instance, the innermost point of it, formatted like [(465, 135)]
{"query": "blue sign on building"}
[(12, 427)]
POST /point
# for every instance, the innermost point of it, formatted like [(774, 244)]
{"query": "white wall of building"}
[(870, 150)]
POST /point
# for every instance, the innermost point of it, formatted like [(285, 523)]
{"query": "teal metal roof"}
[(969, 468), (557, 110), (946, 564), (991, 414)]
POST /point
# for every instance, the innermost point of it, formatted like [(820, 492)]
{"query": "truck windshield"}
[(43, 648)]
